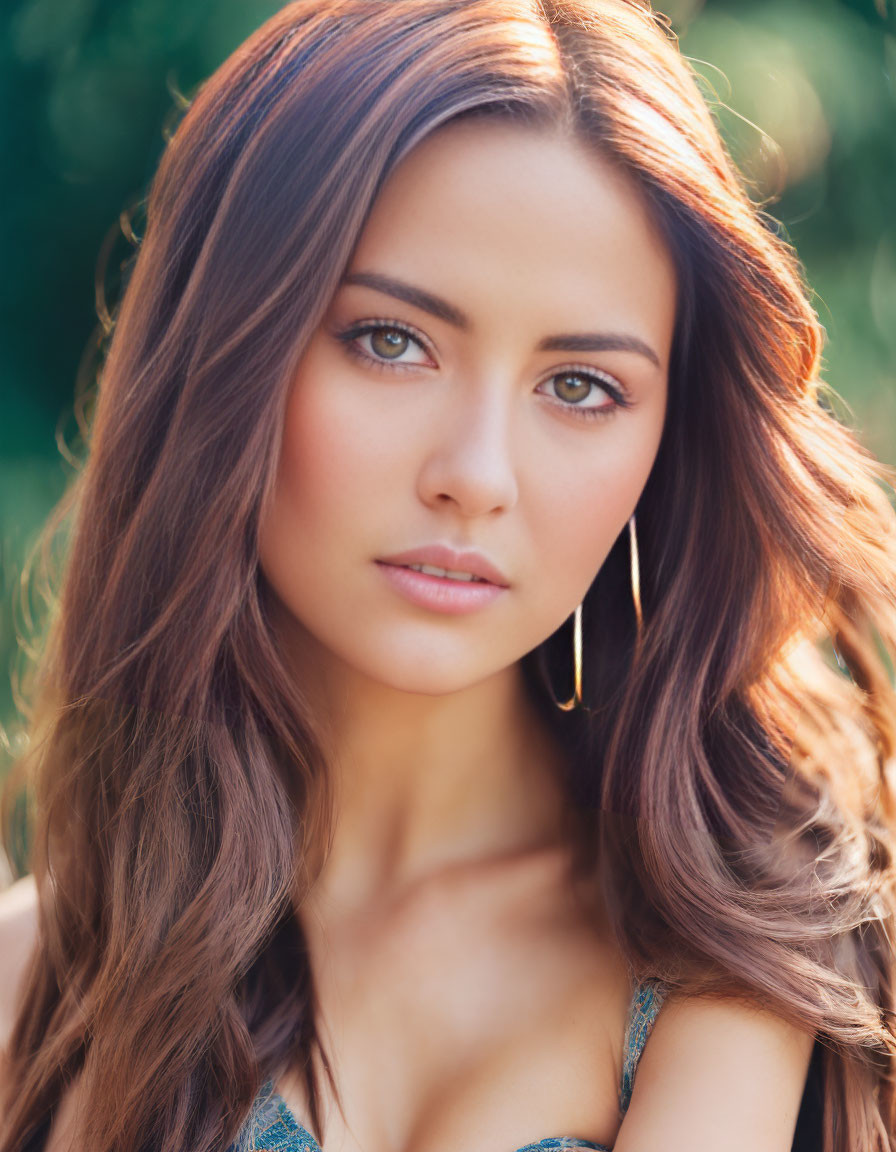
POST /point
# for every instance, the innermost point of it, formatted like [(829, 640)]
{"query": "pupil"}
[(573, 392), (392, 339)]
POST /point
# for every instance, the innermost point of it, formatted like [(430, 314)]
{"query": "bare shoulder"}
[(18, 932), (717, 1073)]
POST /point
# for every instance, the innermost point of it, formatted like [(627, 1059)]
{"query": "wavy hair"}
[(733, 786)]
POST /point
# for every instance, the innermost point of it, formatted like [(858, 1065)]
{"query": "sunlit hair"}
[(729, 784)]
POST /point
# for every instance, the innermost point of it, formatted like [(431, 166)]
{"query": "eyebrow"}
[(442, 310)]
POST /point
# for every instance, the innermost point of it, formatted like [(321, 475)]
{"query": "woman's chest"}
[(464, 1025)]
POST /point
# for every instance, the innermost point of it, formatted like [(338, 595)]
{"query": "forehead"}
[(496, 215)]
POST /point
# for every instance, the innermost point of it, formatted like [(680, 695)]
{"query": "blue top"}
[(271, 1126)]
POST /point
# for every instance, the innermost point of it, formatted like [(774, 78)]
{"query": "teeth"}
[(431, 570)]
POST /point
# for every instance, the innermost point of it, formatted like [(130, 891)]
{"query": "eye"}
[(388, 342), (574, 388)]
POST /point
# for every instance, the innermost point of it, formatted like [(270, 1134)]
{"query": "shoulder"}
[(717, 1072), (18, 933)]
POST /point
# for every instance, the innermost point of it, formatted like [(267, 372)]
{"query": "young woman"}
[(440, 720)]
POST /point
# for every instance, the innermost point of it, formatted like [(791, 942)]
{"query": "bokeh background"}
[(804, 92)]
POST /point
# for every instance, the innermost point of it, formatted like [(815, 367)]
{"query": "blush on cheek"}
[(332, 471), (313, 453), (590, 509)]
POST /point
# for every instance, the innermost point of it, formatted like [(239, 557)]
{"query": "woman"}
[(440, 719)]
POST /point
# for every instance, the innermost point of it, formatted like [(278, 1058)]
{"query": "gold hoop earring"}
[(636, 573), (575, 701)]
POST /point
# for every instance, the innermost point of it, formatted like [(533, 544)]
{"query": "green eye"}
[(389, 340), (577, 392), (392, 340), (571, 395)]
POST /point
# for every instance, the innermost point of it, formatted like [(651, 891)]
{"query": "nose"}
[(469, 462)]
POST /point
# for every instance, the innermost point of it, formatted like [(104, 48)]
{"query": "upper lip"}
[(441, 556)]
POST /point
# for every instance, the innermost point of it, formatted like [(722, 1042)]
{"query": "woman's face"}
[(494, 380)]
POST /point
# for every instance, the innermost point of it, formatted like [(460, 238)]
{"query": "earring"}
[(575, 701), (636, 573)]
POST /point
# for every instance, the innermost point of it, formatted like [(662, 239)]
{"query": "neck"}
[(426, 784)]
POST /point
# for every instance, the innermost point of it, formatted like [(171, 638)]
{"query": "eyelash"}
[(349, 335)]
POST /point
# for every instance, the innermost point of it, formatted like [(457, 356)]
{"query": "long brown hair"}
[(731, 785)]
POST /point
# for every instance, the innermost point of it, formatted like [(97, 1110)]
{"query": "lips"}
[(442, 556)]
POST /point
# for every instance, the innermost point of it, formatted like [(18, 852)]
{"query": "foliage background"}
[(804, 91)]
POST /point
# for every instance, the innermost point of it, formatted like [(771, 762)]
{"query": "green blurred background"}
[(804, 92)]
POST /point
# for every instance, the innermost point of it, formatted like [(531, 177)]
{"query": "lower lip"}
[(439, 593)]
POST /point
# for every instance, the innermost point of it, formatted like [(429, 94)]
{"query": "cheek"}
[(581, 500), (339, 467), (307, 484), (333, 465)]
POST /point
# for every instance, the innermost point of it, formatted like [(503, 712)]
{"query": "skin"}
[(467, 441), (443, 930), (466, 998)]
